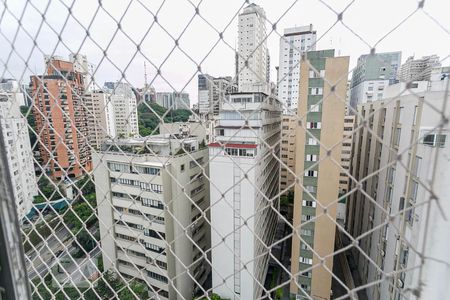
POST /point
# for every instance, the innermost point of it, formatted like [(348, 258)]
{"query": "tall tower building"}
[(252, 50), (413, 148), (244, 195), (125, 109), (418, 69), (61, 121), (318, 186), (373, 73), (293, 43), (153, 205), (100, 116), (14, 133), (83, 66), (288, 129)]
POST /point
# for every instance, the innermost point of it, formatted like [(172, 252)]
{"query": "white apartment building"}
[(83, 66), (100, 116), (293, 43), (146, 198), (125, 109), (252, 60), (212, 91), (418, 69), (20, 157), (13, 88), (244, 187), (413, 148)]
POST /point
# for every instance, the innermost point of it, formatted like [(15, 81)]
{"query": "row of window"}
[(145, 201), (127, 168), (156, 188)]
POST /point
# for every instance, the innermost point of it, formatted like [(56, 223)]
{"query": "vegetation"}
[(34, 235), (149, 121), (31, 122), (48, 191), (287, 199), (212, 297)]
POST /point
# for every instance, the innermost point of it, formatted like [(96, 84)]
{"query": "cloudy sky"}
[(366, 23)]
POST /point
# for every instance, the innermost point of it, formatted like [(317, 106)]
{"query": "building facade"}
[(287, 176), (212, 91), (372, 74), (418, 69), (293, 43), (173, 100), (124, 103), (252, 59), (61, 120), (14, 129), (245, 175), (402, 165), (14, 89), (83, 66), (318, 175), (346, 157), (100, 116), (147, 196)]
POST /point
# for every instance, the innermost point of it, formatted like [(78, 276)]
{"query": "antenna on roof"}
[(145, 75)]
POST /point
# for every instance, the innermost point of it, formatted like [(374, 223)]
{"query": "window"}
[(311, 157), (306, 218), (311, 173), (305, 260), (314, 108), (307, 232), (182, 167), (311, 188), (397, 135), (316, 91), (312, 141), (154, 234), (417, 166), (152, 203), (157, 276), (309, 203), (313, 125), (153, 247), (434, 140)]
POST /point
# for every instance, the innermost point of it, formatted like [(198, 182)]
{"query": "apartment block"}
[(398, 171), (372, 74), (245, 174), (14, 89), (61, 120), (346, 157), (293, 43), (14, 135), (318, 147), (253, 57), (418, 69), (288, 128), (173, 100), (212, 91), (124, 103), (153, 197)]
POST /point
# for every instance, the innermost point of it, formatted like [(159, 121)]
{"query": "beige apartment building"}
[(316, 194), (288, 127)]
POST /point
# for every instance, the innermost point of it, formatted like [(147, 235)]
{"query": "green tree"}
[(48, 191)]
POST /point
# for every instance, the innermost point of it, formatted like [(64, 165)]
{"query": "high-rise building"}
[(346, 157), (14, 133), (14, 89), (252, 51), (148, 192), (288, 127), (402, 165), (244, 176), (124, 102), (212, 91), (318, 147), (373, 73), (100, 116), (173, 100), (83, 66), (61, 121), (418, 69), (293, 43)]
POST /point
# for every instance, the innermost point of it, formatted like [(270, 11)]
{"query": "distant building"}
[(124, 102), (173, 100), (14, 129), (212, 91), (83, 66), (293, 43), (100, 116), (153, 200), (61, 120), (288, 128), (322, 127), (392, 203), (14, 90), (253, 56), (373, 73), (418, 69)]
